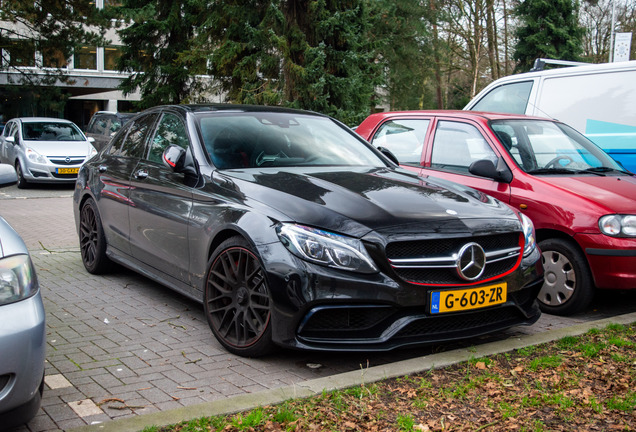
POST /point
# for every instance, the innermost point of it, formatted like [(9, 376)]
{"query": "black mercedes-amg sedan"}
[(294, 231)]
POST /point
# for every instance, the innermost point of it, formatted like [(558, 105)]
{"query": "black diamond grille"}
[(446, 247)]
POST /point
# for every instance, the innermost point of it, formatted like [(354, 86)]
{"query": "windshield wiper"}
[(551, 171), (601, 170)]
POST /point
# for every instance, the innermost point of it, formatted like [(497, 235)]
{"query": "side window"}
[(135, 142), (404, 138), (457, 145), (114, 126), (115, 144), (170, 131), (100, 125), (508, 98)]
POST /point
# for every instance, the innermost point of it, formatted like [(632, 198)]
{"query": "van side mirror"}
[(10, 139), (486, 168)]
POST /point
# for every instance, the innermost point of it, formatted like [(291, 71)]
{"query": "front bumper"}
[(23, 348), (612, 260), (48, 173), (319, 308)]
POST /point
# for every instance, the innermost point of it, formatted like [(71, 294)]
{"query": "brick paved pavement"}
[(121, 345)]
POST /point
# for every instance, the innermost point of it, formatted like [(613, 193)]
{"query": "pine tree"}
[(404, 43), (548, 29), (156, 51), (307, 54)]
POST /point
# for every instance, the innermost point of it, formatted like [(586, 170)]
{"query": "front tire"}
[(237, 301), (568, 286), (92, 239), (22, 182)]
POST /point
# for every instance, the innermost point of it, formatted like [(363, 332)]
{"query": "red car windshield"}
[(546, 147)]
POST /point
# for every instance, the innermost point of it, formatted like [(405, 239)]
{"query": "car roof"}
[(460, 114), (41, 119), (115, 113), (219, 107)]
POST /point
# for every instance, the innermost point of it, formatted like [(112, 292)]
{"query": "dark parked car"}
[(293, 231), (104, 125), (582, 203), (22, 332)]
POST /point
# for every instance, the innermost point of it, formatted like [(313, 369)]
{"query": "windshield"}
[(51, 131), (265, 139), (547, 147)]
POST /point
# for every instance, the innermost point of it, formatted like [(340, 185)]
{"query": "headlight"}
[(17, 279), (326, 248), (35, 156), (618, 225), (528, 233)]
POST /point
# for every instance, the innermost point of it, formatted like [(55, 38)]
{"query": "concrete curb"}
[(349, 379)]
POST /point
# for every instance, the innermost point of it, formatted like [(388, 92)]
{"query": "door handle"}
[(141, 174)]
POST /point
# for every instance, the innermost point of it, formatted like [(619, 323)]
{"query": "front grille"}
[(61, 160), (64, 176), (349, 319), (432, 328), (433, 261)]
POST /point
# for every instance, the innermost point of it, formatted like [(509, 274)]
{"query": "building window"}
[(53, 58), (111, 55), (85, 58), (21, 53)]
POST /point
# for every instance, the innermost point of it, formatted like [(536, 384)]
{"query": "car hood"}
[(60, 148), (356, 200), (615, 194)]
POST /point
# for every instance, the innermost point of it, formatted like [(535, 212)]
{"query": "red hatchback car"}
[(582, 202)]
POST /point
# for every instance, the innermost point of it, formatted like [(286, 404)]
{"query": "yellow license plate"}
[(67, 170), (465, 299)]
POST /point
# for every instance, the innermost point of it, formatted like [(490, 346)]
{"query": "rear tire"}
[(237, 300), (568, 287), (92, 239)]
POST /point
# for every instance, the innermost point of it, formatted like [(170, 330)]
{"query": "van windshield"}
[(548, 147)]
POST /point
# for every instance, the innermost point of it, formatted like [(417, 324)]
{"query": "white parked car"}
[(44, 150)]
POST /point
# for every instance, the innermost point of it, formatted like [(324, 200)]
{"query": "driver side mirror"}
[(386, 152), (181, 161), (174, 158), (10, 139), (486, 168)]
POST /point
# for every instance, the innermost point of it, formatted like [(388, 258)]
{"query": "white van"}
[(599, 100)]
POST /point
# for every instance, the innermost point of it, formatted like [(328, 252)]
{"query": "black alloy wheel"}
[(92, 239), (237, 301)]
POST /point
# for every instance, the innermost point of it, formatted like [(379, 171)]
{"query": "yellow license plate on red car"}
[(466, 299), (67, 170)]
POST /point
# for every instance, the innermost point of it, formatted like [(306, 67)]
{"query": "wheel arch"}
[(223, 235), (545, 234)]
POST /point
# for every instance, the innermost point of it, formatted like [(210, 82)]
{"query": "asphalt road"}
[(121, 345)]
